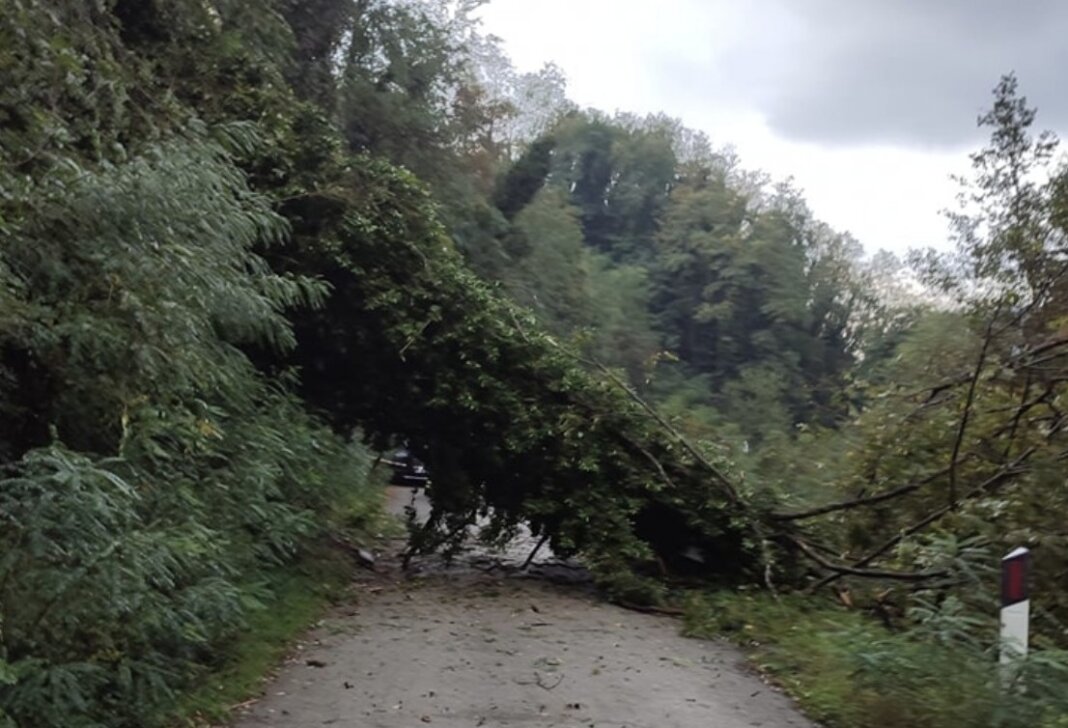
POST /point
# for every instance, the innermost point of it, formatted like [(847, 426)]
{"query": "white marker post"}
[(1015, 604)]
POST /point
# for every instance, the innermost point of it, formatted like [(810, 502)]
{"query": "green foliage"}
[(119, 573), (759, 302), (552, 278), (101, 331), (620, 332), (149, 470), (412, 341), (296, 598), (966, 416), (112, 597), (65, 87), (848, 672), (398, 68), (521, 182), (408, 93), (618, 178)]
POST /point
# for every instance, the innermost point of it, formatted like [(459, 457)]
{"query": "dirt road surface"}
[(465, 649)]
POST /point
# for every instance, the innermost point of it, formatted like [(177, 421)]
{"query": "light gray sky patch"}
[(909, 72)]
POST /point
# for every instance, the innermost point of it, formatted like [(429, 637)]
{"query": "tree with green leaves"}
[(962, 436)]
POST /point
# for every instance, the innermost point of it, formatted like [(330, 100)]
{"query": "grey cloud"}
[(910, 72)]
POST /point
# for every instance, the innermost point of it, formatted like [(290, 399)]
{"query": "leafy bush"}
[(182, 470), (849, 672)]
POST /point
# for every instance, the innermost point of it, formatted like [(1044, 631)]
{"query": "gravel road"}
[(464, 649)]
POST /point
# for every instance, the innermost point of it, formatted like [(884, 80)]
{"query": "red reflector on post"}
[(1014, 572)]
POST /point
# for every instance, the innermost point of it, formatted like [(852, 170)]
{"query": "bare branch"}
[(969, 400), (845, 570), (1005, 473), (859, 502), (534, 552)]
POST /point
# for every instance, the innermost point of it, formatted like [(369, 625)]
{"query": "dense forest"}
[(248, 244)]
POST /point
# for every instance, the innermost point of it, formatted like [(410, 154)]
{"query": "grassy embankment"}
[(296, 596), (848, 671)]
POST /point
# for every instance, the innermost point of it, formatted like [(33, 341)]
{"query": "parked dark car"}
[(408, 470)]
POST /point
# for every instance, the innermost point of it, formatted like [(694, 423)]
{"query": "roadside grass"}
[(298, 597), (290, 600), (847, 670), (794, 641)]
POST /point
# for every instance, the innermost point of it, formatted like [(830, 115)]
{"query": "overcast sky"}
[(868, 104)]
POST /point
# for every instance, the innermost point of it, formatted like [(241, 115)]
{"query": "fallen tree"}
[(518, 429)]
